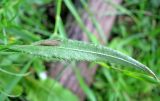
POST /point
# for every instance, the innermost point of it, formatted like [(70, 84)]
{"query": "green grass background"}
[(136, 32)]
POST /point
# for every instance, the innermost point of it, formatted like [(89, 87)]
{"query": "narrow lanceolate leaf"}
[(75, 50)]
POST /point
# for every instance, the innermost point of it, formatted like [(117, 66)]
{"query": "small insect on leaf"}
[(48, 43)]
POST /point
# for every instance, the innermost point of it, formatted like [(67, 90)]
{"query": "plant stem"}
[(58, 12)]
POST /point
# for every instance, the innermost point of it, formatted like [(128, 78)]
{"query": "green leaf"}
[(16, 91), (76, 50), (47, 90)]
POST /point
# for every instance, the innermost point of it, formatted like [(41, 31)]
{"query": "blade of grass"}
[(136, 75), (82, 83), (123, 10), (59, 3), (14, 74), (61, 29), (72, 9), (94, 20), (14, 82), (5, 36)]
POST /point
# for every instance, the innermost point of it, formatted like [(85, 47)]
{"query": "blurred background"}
[(129, 26)]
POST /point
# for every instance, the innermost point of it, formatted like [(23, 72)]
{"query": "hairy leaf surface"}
[(76, 50)]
